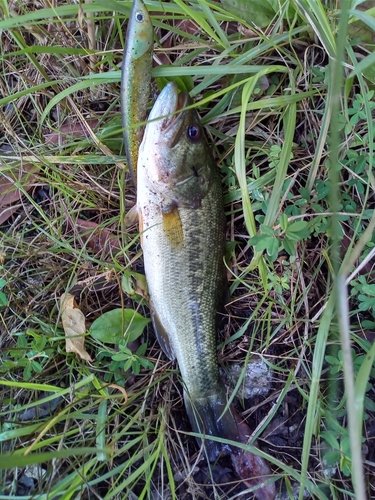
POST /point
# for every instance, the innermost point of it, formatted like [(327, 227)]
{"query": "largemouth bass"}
[(182, 226), (181, 213), (136, 80)]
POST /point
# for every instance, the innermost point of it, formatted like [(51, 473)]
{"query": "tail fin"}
[(207, 417)]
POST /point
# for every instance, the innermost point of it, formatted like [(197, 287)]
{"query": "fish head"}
[(140, 23), (174, 152)]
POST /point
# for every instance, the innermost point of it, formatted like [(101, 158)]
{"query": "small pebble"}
[(284, 495), (256, 382)]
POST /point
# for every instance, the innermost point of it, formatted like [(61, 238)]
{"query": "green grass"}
[(289, 111)]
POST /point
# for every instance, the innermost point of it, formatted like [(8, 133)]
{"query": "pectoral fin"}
[(131, 217)]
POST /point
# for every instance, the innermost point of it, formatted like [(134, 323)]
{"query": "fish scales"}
[(186, 283)]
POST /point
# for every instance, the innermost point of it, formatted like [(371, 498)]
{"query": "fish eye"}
[(139, 16), (194, 132)]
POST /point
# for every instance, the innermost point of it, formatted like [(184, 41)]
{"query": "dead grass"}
[(67, 232)]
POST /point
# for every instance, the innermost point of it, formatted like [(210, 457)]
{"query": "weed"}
[(29, 354), (3, 297), (122, 361), (293, 136), (364, 293)]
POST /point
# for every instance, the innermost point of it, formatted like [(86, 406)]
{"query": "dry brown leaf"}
[(73, 321), (9, 192), (98, 239), (5, 213), (69, 130)]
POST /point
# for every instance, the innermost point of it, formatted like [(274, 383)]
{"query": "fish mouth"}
[(166, 120), (177, 122), (181, 102)]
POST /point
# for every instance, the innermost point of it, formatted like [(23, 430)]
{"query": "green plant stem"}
[(340, 290)]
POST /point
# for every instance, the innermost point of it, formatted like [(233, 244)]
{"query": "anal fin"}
[(162, 335)]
